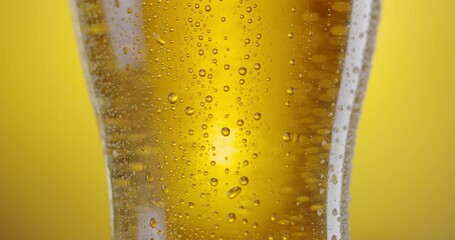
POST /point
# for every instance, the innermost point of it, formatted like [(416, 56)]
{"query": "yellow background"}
[(52, 182)]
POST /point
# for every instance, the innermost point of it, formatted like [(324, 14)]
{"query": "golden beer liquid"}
[(216, 115)]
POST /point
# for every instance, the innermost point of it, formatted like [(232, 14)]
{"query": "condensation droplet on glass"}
[(173, 98), (158, 39), (234, 192)]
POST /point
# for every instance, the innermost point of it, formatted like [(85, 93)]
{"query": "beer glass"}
[(227, 119)]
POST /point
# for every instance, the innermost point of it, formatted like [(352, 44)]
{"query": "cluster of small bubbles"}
[(234, 192), (231, 217), (257, 116), (189, 111), (244, 181), (225, 131)]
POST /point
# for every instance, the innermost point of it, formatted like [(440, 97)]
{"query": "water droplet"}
[(334, 212), (244, 181), (129, 10), (231, 217), (191, 132), (234, 192), (258, 36), (257, 66), (209, 98), (334, 179), (292, 62), (202, 72), (287, 137), (257, 116), (242, 71), (246, 162), (213, 182), (164, 189), (256, 203), (189, 111), (226, 88), (290, 91), (247, 41), (226, 66), (273, 217), (223, 19), (356, 70), (191, 205), (290, 35), (225, 131), (173, 98), (153, 223), (240, 122), (249, 9), (208, 8), (158, 39)]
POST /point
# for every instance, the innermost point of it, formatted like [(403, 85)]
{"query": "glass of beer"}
[(227, 119)]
